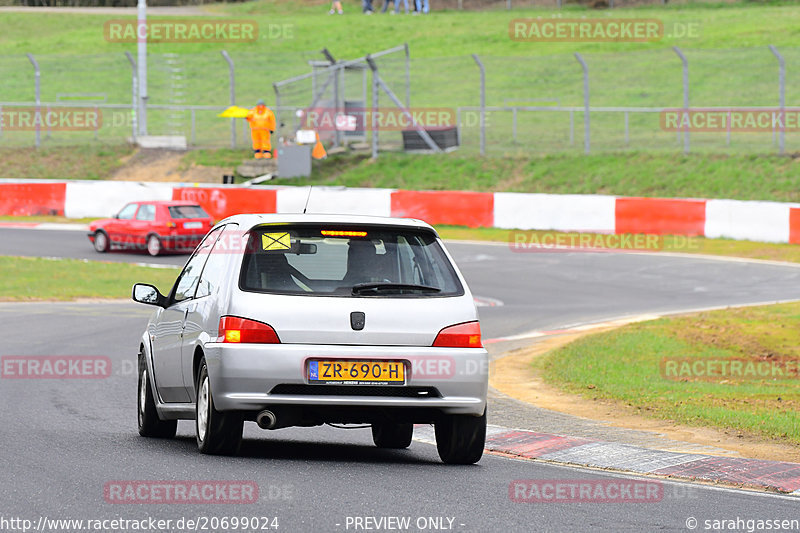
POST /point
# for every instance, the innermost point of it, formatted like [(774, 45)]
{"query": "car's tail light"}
[(466, 335), (234, 329)]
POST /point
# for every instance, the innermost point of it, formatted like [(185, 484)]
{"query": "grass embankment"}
[(738, 177), (742, 177), (83, 162), (27, 279), (630, 366)]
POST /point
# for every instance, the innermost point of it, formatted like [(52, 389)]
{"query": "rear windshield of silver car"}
[(343, 260)]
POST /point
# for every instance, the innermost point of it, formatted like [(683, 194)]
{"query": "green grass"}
[(74, 162), (625, 174), (625, 365), (730, 65), (635, 174), (444, 33), (67, 279)]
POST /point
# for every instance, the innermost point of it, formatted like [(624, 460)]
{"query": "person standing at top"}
[(386, 4), (336, 7), (262, 124), (422, 6)]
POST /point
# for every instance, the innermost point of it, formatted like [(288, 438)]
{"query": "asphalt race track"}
[(64, 440)]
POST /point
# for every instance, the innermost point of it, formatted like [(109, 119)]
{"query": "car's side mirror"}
[(148, 294)]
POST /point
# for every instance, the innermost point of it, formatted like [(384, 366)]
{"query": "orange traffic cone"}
[(319, 151)]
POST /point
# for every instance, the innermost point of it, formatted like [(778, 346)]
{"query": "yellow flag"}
[(234, 111)]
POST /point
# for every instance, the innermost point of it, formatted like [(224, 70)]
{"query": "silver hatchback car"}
[(303, 320)]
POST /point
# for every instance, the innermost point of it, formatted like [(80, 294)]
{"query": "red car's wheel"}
[(153, 245), (101, 242)]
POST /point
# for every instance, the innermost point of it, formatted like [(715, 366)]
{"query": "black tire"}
[(101, 242), (222, 434), (149, 423), (153, 245), (460, 439), (391, 435)]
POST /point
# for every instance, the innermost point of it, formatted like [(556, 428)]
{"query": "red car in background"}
[(157, 226)]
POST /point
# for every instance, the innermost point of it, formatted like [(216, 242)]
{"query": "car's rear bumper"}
[(244, 377)]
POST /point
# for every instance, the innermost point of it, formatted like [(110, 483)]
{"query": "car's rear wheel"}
[(149, 423), (460, 438), (218, 433), (101, 242), (391, 435), (153, 245)]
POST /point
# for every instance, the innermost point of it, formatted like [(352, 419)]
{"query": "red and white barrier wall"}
[(734, 219)]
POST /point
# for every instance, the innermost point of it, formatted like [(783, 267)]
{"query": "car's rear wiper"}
[(384, 286)]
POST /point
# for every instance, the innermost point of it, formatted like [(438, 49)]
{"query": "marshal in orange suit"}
[(262, 124)]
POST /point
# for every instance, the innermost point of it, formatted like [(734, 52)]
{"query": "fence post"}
[(374, 113), (586, 119), (277, 110), (685, 97), (483, 103), (782, 90), (37, 74), (141, 63), (627, 130), (134, 82), (337, 75), (514, 123), (408, 76), (232, 75)]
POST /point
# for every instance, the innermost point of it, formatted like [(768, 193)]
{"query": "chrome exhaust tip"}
[(266, 419)]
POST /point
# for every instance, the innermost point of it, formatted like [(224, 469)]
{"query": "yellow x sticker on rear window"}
[(276, 241)]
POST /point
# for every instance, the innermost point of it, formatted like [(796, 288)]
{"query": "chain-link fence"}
[(532, 104)]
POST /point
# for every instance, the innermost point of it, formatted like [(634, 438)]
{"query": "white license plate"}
[(192, 225)]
